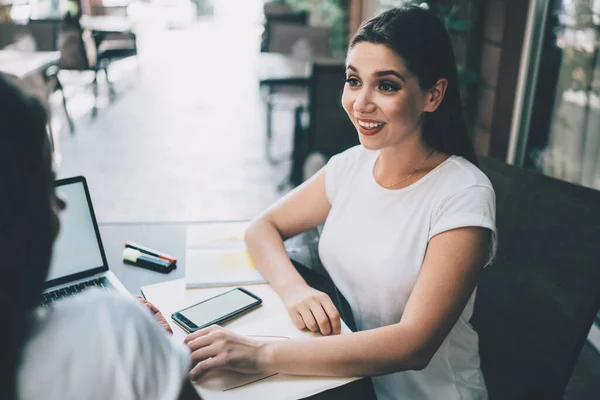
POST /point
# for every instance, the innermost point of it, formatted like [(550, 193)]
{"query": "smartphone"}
[(216, 310)]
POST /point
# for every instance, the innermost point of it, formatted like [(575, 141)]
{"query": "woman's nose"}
[(363, 103)]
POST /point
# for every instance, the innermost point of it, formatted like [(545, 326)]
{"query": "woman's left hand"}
[(217, 348)]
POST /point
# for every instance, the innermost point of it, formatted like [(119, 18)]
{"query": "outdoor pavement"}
[(185, 138)]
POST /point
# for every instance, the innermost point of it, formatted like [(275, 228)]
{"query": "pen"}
[(151, 252)]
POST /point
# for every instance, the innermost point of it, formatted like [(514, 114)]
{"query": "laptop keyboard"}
[(51, 297)]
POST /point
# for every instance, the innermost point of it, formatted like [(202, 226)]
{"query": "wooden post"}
[(355, 16)]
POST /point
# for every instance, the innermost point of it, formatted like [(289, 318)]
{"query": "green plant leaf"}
[(458, 25), (466, 77)]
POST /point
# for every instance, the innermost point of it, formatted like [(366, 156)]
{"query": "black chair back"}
[(46, 34), (536, 303), (77, 48), (8, 33), (330, 129)]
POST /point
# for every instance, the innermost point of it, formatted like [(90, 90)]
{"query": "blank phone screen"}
[(217, 307)]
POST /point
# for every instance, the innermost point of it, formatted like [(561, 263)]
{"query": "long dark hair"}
[(25, 221), (421, 39)]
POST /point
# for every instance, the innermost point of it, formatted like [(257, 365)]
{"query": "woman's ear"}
[(435, 95)]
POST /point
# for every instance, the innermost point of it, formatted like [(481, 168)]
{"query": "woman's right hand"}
[(312, 309)]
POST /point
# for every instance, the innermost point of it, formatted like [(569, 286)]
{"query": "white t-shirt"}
[(373, 245), (99, 346)]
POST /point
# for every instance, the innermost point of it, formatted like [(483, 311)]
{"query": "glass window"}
[(563, 140)]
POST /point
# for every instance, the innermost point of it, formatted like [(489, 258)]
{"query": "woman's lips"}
[(369, 132)]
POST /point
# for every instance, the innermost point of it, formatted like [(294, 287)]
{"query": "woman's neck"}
[(398, 162)]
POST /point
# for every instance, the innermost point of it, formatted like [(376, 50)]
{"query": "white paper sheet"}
[(271, 319)]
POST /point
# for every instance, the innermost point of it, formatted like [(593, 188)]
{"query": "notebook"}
[(216, 255)]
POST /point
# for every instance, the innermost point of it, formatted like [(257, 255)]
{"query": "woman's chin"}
[(368, 143)]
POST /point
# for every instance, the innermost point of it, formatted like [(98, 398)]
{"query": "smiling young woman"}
[(387, 107), (409, 223)]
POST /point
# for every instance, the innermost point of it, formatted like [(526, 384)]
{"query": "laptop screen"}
[(77, 248)]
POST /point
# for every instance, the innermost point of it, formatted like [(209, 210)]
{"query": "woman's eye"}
[(352, 82), (387, 87)]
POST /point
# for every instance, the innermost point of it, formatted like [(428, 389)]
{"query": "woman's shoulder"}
[(459, 173)]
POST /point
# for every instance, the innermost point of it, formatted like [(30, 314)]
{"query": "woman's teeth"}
[(370, 125)]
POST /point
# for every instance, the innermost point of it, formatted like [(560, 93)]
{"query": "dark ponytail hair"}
[(421, 40)]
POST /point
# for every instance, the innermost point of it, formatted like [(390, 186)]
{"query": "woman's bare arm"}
[(448, 277), (302, 209)]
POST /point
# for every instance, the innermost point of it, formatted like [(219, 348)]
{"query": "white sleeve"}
[(98, 346), (157, 364), (472, 206)]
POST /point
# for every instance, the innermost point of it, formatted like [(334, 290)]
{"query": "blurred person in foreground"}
[(96, 345)]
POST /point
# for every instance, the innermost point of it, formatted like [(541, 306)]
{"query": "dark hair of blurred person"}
[(27, 223)]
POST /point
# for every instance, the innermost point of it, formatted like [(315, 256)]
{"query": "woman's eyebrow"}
[(381, 73), (391, 72)]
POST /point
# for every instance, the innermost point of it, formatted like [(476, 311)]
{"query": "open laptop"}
[(78, 259)]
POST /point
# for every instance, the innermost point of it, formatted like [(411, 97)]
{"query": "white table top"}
[(21, 64)]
